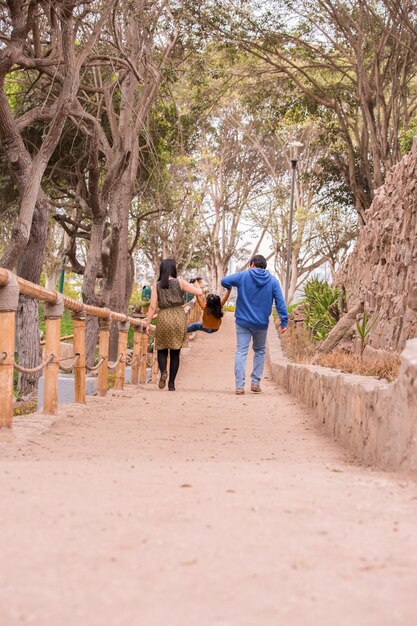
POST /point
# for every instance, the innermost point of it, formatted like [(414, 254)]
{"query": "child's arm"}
[(201, 302), (225, 297)]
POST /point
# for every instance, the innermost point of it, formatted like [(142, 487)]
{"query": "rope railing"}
[(51, 297), (33, 370), (95, 368), (132, 360), (112, 366), (70, 367), (54, 304)]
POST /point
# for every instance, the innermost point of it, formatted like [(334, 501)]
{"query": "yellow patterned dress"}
[(171, 324)]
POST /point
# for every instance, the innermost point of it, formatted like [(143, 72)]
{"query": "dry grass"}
[(24, 407), (298, 345), (111, 380), (299, 348), (353, 364)]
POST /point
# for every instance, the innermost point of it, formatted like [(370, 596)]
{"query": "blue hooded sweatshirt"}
[(256, 291)]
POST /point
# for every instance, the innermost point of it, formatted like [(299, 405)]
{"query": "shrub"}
[(320, 308), (297, 344)]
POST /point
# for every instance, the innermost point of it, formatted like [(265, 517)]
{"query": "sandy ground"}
[(200, 508)]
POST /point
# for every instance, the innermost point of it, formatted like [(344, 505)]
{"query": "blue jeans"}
[(244, 335), (199, 326)]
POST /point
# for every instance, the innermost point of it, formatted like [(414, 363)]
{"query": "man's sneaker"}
[(255, 388), (163, 380), (239, 392)]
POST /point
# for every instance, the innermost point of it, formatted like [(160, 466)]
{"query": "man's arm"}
[(231, 281), (280, 305)]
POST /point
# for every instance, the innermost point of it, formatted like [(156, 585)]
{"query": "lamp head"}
[(295, 147)]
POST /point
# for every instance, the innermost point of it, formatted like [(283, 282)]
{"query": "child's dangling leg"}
[(192, 328)]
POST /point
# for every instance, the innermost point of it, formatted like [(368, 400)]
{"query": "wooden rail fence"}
[(55, 303)]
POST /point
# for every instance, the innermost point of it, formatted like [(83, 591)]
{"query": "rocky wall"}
[(382, 269), (375, 420)]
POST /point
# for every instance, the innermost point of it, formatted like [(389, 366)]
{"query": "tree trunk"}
[(122, 286), (28, 342), (91, 338), (89, 285), (27, 323)]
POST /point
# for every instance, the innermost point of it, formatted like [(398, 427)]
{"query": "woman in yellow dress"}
[(171, 327)]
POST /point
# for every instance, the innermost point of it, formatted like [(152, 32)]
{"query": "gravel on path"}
[(200, 508)]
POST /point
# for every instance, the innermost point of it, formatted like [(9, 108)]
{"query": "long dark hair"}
[(214, 305), (167, 269)]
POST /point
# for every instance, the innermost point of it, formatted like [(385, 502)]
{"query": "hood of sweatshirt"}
[(260, 277)]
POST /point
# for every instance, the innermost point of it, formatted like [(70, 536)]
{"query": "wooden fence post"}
[(143, 357), (192, 316), (121, 350), (103, 352), (9, 298), (78, 318), (53, 314), (137, 341)]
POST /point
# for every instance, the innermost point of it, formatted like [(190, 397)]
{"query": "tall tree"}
[(234, 175), (40, 41), (355, 60)]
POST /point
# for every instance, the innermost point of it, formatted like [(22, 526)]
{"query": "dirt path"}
[(200, 508)]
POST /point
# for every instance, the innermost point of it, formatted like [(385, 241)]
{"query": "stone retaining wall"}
[(375, 420), (382, 269)]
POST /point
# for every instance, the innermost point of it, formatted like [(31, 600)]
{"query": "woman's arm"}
[(194, 289), (153, 305), (225, 297)]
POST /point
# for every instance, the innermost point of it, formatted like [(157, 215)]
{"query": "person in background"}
[(171, 326), (146, 293), (257, 289)]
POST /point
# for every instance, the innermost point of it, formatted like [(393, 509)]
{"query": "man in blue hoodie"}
[(257, 289)]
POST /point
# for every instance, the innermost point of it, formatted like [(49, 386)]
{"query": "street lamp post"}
[(62, 275), (295, 146)]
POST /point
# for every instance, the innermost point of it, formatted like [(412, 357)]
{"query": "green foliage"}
[(67, 327), (291, 307), (130, 338), (407, 137), (364, 327), (320, 307), (135, 298)]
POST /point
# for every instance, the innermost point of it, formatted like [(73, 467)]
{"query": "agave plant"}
[(363, 328), (320, 307)]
